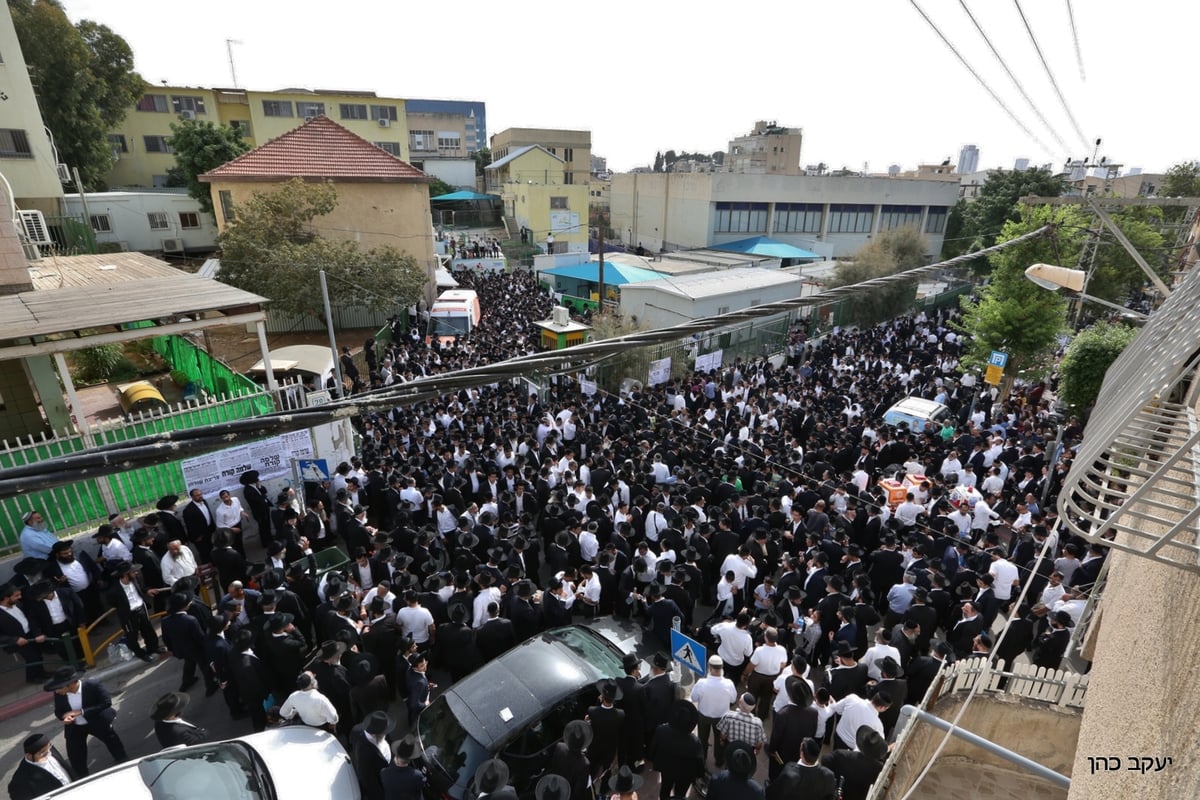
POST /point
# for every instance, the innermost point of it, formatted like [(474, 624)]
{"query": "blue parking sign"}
[(997, 359)]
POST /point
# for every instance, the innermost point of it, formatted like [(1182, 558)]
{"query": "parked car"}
[(289, 763), (515, 707)]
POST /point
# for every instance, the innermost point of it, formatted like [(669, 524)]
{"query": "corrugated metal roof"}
[(721, 282)]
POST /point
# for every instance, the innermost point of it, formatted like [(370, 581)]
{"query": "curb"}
[(26, 704)]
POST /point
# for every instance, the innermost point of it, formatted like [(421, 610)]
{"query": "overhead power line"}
[(987, 40), (1050, 74), (1011, 115), (1075, 38)]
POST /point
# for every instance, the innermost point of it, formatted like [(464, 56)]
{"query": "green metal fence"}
[(202, 369)]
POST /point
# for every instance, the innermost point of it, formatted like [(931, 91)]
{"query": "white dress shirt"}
[(713, 696), (314, 708)]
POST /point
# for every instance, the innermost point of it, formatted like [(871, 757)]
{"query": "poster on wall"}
[(660, 371), (272, 458), (564, 222), (709, 361)]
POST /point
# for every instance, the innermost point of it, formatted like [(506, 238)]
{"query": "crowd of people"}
[(748, 505)]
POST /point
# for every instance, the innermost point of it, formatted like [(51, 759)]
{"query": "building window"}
[(421, 140), (449, 140), (558, 204), (307, 110), (242, 126), (352, 110), (14, 143), (277, 108), (892, 217), (936, 221), (189, 220), (181, 103), (154, 102), (157, 144), (568, 154), (741, 218), (383, 112), (389, 147), (101, 223), (118, 143), (798, 217), (159, 181), (226, 198), (158, 220), (850, 218), (569, 177)]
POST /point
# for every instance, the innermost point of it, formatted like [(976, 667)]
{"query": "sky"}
[(868, 81)]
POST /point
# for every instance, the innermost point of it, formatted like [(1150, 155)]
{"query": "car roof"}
[(917, 405), (510, 691)]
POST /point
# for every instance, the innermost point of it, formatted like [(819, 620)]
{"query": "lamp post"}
[(1054, 278)]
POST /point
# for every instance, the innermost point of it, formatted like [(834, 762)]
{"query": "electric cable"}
[(1075, 38), (1050, 74)]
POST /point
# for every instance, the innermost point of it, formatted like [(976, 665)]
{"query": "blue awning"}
[(464, 195), (614, 274), (766, 246)]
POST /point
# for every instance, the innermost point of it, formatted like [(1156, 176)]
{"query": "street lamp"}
[(1054, 278)]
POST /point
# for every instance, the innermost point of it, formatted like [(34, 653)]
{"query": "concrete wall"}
[(530, 206)]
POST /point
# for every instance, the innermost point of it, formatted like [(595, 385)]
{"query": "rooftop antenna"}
[(229, 43)]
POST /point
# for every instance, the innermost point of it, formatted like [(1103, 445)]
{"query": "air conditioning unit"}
[(384, 122), (560, 316), (172, 245), (187, 114), (64, 173), (310, 117), (33, 224)]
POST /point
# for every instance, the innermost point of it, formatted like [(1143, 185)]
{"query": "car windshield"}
[(448, 326), (595, 651), (445, 741), (228, 770)]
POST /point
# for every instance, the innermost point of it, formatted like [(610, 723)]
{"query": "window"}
[(936, 221), (892, 217), (189, 220), (389, 147), (181, 103), (741, 218), (159, 181), (14, 143), (558, 203), (158, 220), (101, 223), (352, 110), (568, 154), (226, 199), (277, 108), (307, 110), (242, 126), (568, 177), (383, 112), (157, 144), (421, 140), (850, 218), (449, 140), (153, 102), (798, 217), (118, 143)]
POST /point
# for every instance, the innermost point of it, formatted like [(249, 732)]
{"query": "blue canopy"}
[(766, 246), (614, 274), (464, 195)]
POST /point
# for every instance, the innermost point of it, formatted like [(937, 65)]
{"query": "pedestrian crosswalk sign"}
[(688, 652)]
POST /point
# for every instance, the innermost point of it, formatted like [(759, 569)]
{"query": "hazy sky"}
[(867, 80)]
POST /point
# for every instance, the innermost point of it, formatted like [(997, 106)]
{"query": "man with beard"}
[(177, 563), (80, 573)]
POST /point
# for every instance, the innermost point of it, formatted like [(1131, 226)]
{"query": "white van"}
[(919, 413), (296, 364), (456, 312)]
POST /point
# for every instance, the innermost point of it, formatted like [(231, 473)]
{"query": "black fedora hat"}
[(491, 775), (798, 691), (331, 648), (625, 781), (891, 665), (169, 705), (248, 478), (684, 716), (609, 690), (844, 649), (577, 735), (279, 621), (377, 723), (552, 787), (167, 502), (62, 678), (468, 540)]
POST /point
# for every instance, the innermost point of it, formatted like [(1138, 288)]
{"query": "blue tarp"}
[(464, 195), (614, 274), (766, 246)]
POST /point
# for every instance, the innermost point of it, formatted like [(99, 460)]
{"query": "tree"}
[(983, 219), (483, 157), (1012, 314), (1181, 180), (1088, 357), (437, 186), (658, 161), (271, 250), (1115, 274), (85, 82), (891, 252), (201, 146)]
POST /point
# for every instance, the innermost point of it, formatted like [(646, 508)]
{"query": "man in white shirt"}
[(229, 513), (713, 695), (798, 668), (415, 620), (178, 562), (736, 645), (908, 511), (487, 594), (856, 712), (1005, 574), (1054, 590), (767, 663), (741, 564), (313, 708), (880, 650)]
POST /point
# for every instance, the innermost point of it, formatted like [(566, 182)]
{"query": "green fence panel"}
[(202, 369)]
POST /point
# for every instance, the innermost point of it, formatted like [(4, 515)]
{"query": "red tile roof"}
[(320, 148)]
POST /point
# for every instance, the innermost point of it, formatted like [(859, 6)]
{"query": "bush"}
[(1087, 360), (123, 370), (96, 364)]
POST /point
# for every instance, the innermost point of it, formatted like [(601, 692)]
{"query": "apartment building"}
[(573, 147), (769, 149)]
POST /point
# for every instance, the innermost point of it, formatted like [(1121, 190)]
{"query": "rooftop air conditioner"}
[(561, 316), (310, 117), (172, 245), (384, 122), (64, 173), (187, 114), (33, 224)]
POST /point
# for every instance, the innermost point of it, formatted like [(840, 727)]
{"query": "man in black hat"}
[(199, 522), (283, 650), (184, 638), (85, 709), (922, 670), (170, 728), (804, 778), (567, 757), (370, 752), (660, 692), (20, 634), (491, 781), (42, 769), (624, 784), (633, 702), (1051, 646), (129, 598), (736, 782), (676, 751), (847, 675), (172, 528), (858, 768), (892, 683), (58, 613), (251, 677), (78, 571), (496, 636), (402, 780), (255, 495), (793, 724), (607, 723)]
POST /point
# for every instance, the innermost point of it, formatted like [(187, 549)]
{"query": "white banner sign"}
[(271, 457), (564, 222), (709, 361), (660, 371)]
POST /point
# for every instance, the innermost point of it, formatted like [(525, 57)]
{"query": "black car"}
[(516, 706)]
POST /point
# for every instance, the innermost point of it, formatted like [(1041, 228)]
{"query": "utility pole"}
[(337, 358), (229, 43), (600, 239)]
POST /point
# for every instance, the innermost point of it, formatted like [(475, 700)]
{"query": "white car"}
[(289, 763)]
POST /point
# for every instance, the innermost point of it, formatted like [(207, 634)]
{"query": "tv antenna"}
[(229, 43)]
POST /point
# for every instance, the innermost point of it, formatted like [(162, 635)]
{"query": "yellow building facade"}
[(573, 147), (530, 182)]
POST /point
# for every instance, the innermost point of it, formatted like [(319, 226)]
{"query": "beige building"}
[(381, 199), (531, 182), (768, 149), (28, 161), (573, 147)]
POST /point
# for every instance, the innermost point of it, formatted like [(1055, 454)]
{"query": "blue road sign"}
[(313, 469), (688, 652), (998, 359)]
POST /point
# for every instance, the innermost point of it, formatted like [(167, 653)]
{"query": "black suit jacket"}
[(182, 635), (118, 600), (792, 725), (97, 705), (39, 614), (30, 781), (660, 694), (171, 734), (495, 637), (812, 783), (368, 764), (198, 528)]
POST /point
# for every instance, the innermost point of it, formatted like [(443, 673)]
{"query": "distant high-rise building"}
[(769, 149), (968, 159), (1021, 164)]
